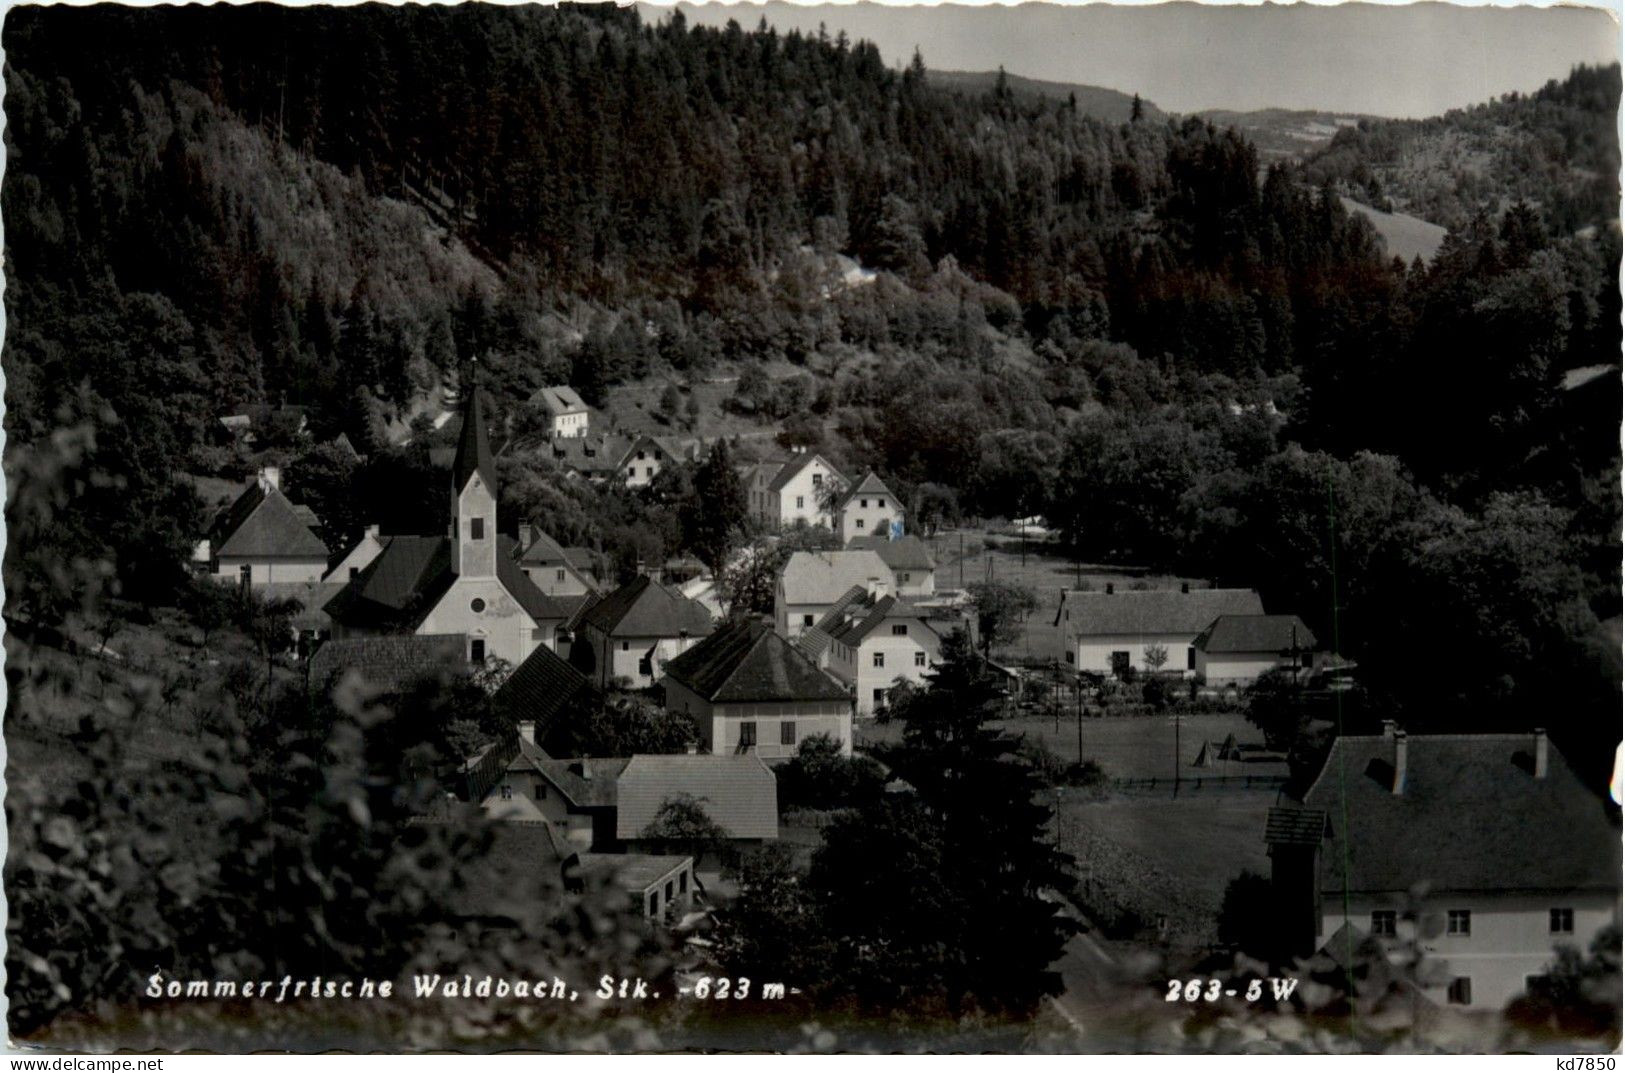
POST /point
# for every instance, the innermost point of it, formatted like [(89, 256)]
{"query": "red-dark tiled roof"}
[(261, 523), (1152, 611), (643, 608), (871, 485), (540, 689), (1256, 633), (399, 588), (747, 661), (795, 466), (904, 553), (738, 792)]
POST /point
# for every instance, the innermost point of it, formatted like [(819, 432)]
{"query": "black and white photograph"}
[(597, 528)]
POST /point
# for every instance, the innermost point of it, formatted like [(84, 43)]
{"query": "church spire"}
[(473, 445)]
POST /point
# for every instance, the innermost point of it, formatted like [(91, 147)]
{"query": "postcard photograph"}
[(1047, 529)]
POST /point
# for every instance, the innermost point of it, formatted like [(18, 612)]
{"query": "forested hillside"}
[(1183, 360), (1556, 148)]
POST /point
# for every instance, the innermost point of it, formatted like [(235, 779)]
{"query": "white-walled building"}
[(567, 415), (551, 567), (868, 509), (913, 568), (749, 690), (1107, 632), (630, 634), (358, 558), (263, 539), (812, 582), (870, 642), (642, 462), (466, 582), (802, 491), (1236, 649), (1517, 857)]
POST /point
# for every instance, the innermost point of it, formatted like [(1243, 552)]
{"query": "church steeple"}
[(473, 494)]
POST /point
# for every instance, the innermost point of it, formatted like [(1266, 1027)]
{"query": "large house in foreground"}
[(467, 582), (1517, 858), (1109, 632), (749, 690)]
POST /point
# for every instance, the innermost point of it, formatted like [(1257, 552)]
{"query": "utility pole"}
[(1177, 721), (1077, 692)]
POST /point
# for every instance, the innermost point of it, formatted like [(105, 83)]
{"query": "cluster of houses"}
[(1389, 811)]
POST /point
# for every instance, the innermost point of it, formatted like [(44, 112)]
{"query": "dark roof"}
[(747, 661), (643, 608), (559, 399), (390, 662), (904, 553), (633, 872), (399, 588), (312, 597), (591, 455), (473, 447), (855, 616), (800, 462), (586, 782), (871, 485), (738, 792), (539, 689), (1156, 611), (1256, 633), (543, 550), (262, 523), (671, 448), (1472, 817)]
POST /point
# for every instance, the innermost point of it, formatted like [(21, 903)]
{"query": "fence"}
[(1199, 784)]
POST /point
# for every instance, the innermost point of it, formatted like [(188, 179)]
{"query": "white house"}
[(749, 690), (466, 582), (263, 539), (871, 641), (1111, 631), (913, 568), (1236, 649), (576, 798), (802, 491), (812, 582), (634, 631), (1516, 855), (550, 567), (567, 415), (647, 456), (868, 509)]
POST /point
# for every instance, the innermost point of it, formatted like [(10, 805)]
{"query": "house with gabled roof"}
[(550, 566), (466, 582), (1236, 649), (352, 562), (868, 509), (263, 538), (591, 457), (1110, 631), (913, 567), (630, 634), (812, 582), (567, 414), (541, 693), (648, 455), (871, 641), (575, 797), (738, 791), (800, 492), (750, 690), (1485, 849)]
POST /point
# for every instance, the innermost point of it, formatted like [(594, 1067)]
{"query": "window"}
[(476, 650), (669, 885), (919, 659), (644, 665), (818, 480), (654, 904), (857, 523), (1383, 921), (899, 629), (648, 471), (1190, 659), (1461, 991), (880, 698), (881, 503), (507, 792), (747, 733), (787, 732), (561, 575), (476, 528), (626, 646), (906, 579), (1459, 922), (476, 605), (1121, 662), (682, 883), (880, 659), (801, 501), (641, 456), (539, 790), (806, 620), (1562, 922), (1071, 657)]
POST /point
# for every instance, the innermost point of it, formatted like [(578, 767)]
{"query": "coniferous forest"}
[(1183, 359)]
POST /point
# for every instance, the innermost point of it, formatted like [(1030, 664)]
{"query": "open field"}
[(1044, 569), (1142, 747), (1407, 237)]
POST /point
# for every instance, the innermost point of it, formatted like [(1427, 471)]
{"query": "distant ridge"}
[(1283, 133), (1110, 105)]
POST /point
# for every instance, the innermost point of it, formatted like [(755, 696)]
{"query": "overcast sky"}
[(1415, 60)]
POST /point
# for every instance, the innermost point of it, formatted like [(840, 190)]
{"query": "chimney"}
[(879, 587), (1389, 728), (1401, 749), (271, 477), (372, 531), (1184, 586), (692, 749), (1110, 588), (527, 731), (1542, 753), (527, 535)]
